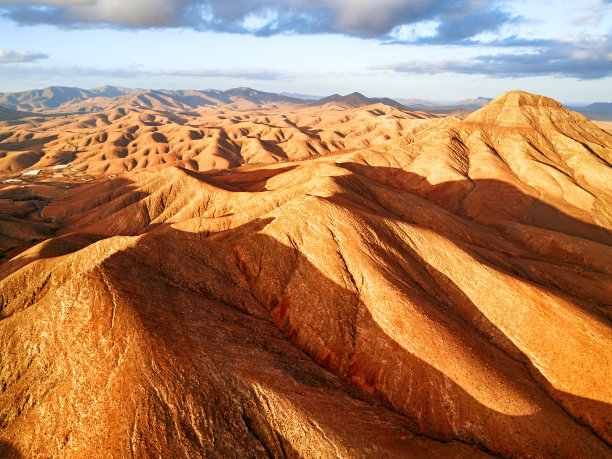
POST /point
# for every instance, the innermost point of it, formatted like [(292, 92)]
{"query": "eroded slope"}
[(448, 294)]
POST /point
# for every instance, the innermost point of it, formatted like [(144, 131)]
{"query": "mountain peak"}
[(518, 98), (356, 99), (517, 108)]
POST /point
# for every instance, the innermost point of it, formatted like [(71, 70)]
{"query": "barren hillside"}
[(362, 282)]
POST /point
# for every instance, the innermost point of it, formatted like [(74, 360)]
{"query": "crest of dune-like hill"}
[(140, 133)]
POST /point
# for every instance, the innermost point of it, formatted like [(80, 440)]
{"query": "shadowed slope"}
[(437, 287), (328, 236), (151, 365)]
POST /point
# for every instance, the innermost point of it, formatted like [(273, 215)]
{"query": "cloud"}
[(252, 74), (457, 19), (8, 56), (87, 13), (258, 74), (582, 58), (595, 14)]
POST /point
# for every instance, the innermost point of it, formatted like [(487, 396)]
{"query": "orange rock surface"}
[(383, 286)]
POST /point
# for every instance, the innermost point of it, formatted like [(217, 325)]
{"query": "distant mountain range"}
[(59, 99), (355, 100), (62, 99), (598, 111), (10, 114), (466, 104)]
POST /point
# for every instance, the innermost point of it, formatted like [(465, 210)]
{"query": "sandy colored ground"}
[(382, 286), (605, 125)]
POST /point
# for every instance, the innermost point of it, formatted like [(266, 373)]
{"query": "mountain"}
[(55, 97), (598, 111), (8, 114), (42, 99), (112, 91), (477, 103), (59, 99), (354, 100), (462, 107), (144, 99), (414, 102), (439, 288)]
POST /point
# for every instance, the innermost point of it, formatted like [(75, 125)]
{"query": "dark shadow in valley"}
[(8, 451), (499, 201), (50, 248), (28, 144), (237, 180)]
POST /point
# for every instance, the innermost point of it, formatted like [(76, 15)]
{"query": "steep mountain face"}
[(447, 291), (527, 142)]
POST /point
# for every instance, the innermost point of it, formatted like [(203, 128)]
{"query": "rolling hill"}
[(121, 139), (375, 284)]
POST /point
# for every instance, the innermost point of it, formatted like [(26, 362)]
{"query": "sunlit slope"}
[(124, 139), (446, 291)]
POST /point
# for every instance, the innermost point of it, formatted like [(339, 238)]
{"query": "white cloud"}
[(456, 19), (8, 56), (579, 57)]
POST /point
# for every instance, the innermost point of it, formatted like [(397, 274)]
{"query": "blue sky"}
[(431, 49)]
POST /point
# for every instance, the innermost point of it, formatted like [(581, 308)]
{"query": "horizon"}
[(314, 97), (429, 50)]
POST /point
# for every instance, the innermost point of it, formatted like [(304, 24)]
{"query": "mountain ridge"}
[(59, 99), (443, 283)]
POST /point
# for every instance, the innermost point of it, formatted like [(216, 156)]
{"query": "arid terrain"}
[(244, 274)]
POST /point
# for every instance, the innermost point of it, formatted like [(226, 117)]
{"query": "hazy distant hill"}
[(7, 114), (597, 111), (301, 96), (71, 100), (248, 98), (465, 104), (59, 99), (43, 99), (62, 99), (355, 100)]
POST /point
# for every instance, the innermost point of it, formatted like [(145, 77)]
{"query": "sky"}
[(441, 50)]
